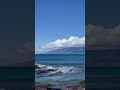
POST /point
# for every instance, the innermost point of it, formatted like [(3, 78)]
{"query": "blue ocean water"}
[(64, 69)]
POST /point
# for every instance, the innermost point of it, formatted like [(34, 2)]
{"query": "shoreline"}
[(81, 86)]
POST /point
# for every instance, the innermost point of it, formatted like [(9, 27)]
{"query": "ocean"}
[(60, 70)]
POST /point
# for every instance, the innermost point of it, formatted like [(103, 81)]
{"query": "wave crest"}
[(54, 70)]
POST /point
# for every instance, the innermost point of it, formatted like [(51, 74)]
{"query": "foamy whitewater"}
[(59, 70), (52, 70)]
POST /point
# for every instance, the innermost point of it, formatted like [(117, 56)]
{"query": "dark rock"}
[(36, 67), (82, 84)]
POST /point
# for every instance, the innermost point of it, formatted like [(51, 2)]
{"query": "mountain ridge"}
[(68, 50)]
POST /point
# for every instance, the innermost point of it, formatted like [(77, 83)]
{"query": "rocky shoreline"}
[(38, 86), (81, 86)]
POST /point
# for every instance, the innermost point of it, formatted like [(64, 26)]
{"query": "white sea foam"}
[(40, 65), (65, 69), (52, 70)]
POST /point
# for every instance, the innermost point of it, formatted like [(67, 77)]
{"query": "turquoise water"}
[(60, 58), (69, 69)]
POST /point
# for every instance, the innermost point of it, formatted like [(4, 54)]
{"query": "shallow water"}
[(66, 69)]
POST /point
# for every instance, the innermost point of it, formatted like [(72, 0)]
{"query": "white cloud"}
[(61, 43)]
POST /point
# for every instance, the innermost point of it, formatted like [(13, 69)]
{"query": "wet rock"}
[(36, 67), (42, 87)]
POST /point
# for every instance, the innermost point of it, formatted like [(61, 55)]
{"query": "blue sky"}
[(58, 19)]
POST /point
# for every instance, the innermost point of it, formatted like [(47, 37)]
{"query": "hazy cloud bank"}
[(61, 43)]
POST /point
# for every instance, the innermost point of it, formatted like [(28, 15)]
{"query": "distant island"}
[(68, 50)]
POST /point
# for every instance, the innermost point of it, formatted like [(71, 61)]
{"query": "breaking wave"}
[(54, 70)]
